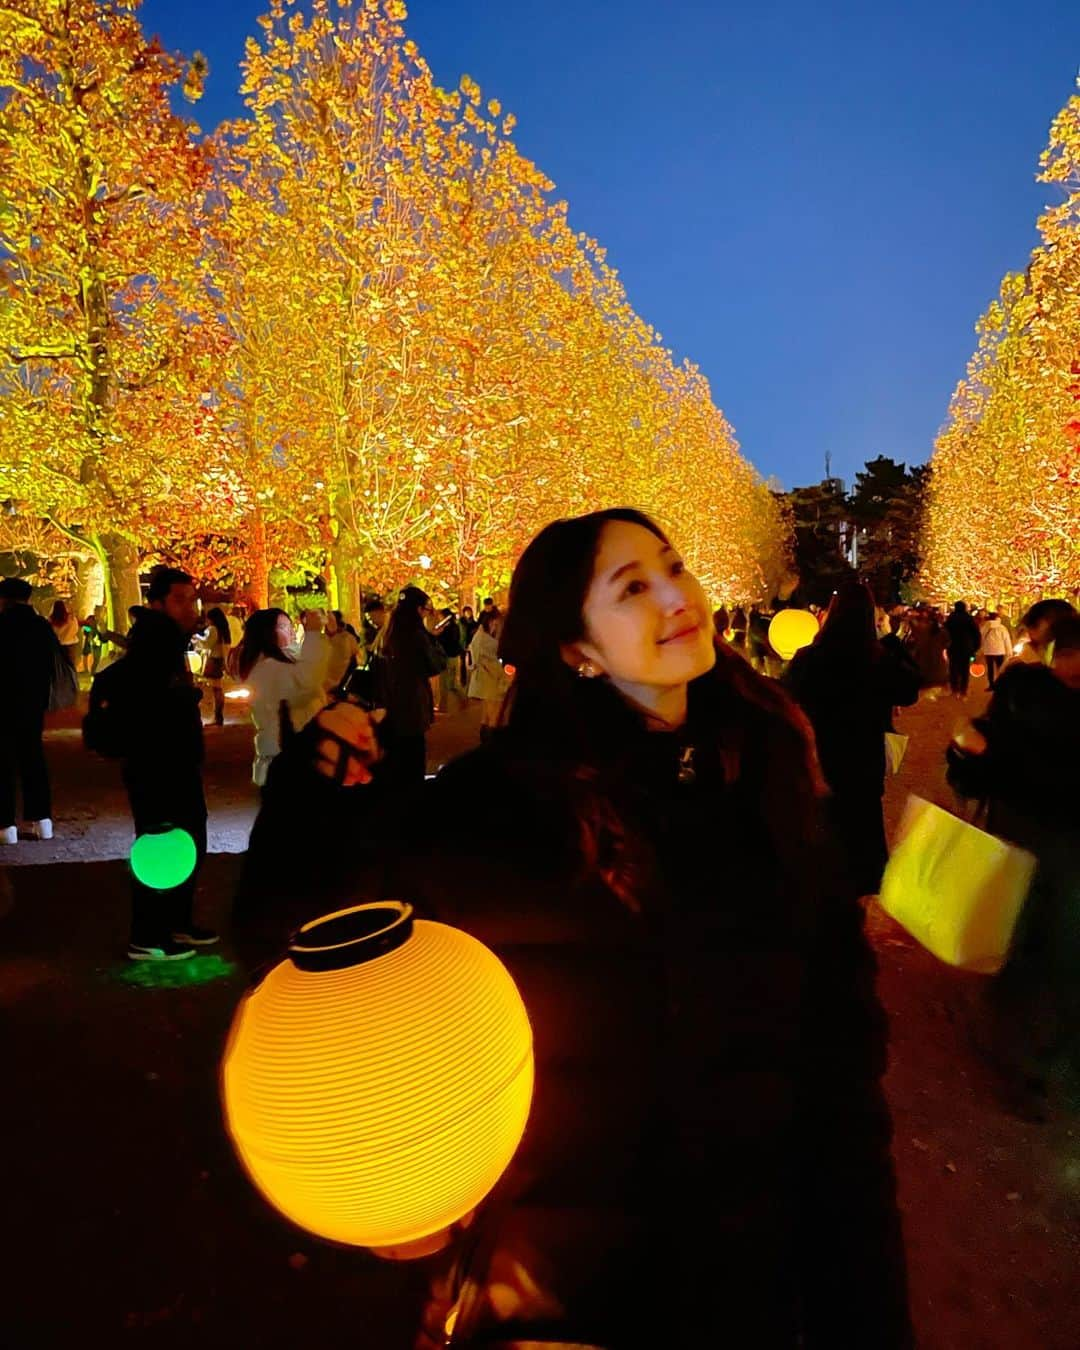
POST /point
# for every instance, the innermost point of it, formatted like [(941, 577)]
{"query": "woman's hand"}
[(349, 731)]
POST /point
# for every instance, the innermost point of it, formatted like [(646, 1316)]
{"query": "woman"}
[(411, 656), (1021, 759), (287, 687), (926, 642), (343, 650), (848, 685), (66, 627), (215, 644), (996, 647), (708, 1146), (488, 681), (94, 629), (469, 625)]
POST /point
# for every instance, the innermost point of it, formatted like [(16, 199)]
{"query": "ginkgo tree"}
[(1002, 524), (99, 246), (353, 327)]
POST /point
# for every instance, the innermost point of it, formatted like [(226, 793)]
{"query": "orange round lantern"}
[(791, 630), (978, 669), (377, 1082)]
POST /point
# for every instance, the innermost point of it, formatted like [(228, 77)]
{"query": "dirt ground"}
[(128, 1223)]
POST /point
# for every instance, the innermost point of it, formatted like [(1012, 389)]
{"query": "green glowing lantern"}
[(164, 858)]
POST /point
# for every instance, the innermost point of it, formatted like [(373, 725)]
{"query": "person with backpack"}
[(29, 652), (144, 711)]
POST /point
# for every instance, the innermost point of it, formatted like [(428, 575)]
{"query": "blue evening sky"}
[(813, 201)]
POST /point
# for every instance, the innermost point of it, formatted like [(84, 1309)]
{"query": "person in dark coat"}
[(162, 763), (708, 1143), (411, 656), (848, 684), (28, 651), (738, 629), (1020, 759), (964, 641)]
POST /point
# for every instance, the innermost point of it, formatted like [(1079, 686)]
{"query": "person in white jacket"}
[(488, 681), (996, 646), (277, 673)]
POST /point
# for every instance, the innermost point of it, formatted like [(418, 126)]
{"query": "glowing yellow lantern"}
[(377, 1082), (791, 630)]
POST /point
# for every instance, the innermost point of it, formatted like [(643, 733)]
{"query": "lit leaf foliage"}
[(1002, 523), (353, 325)]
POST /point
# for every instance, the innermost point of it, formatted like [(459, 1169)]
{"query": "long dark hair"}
[(850, 628), (59, 613), (406, 620), (260, 639), (585, 732), (216, 617)]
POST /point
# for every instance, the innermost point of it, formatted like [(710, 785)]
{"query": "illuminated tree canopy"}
[(1002, 522), (353, 329)]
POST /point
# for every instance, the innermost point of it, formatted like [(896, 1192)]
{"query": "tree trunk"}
[(120, 561), (258, 558), (344, 581), (89, 586)]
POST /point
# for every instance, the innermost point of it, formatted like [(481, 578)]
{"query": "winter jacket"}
[(160, 706), (708, 1149), (963, 634), (409, 666), (299, 684), (1027, 777), (995, 639), (487, 679), (28, 648), (849, 703)]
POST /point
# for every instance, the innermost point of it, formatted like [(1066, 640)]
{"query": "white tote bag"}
[(956, 889), (895, 750)]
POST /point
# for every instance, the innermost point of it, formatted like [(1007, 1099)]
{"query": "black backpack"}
[(107, 725), (368, 683)]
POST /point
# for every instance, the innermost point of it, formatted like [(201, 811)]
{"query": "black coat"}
[(707, 1158), (964, 636), (161, 705), (408, 666), (1028, 780), (28, 650), (849, 701)]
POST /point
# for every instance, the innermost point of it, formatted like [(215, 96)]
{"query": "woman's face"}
[(283, 631), (331, 623), (646, 618)]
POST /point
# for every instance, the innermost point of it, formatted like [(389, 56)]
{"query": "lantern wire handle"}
[(351, 936)]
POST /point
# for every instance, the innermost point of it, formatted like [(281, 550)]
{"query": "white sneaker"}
[(41, 829), (9, 835)]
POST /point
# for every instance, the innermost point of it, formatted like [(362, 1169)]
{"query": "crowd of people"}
[(627, 741)]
